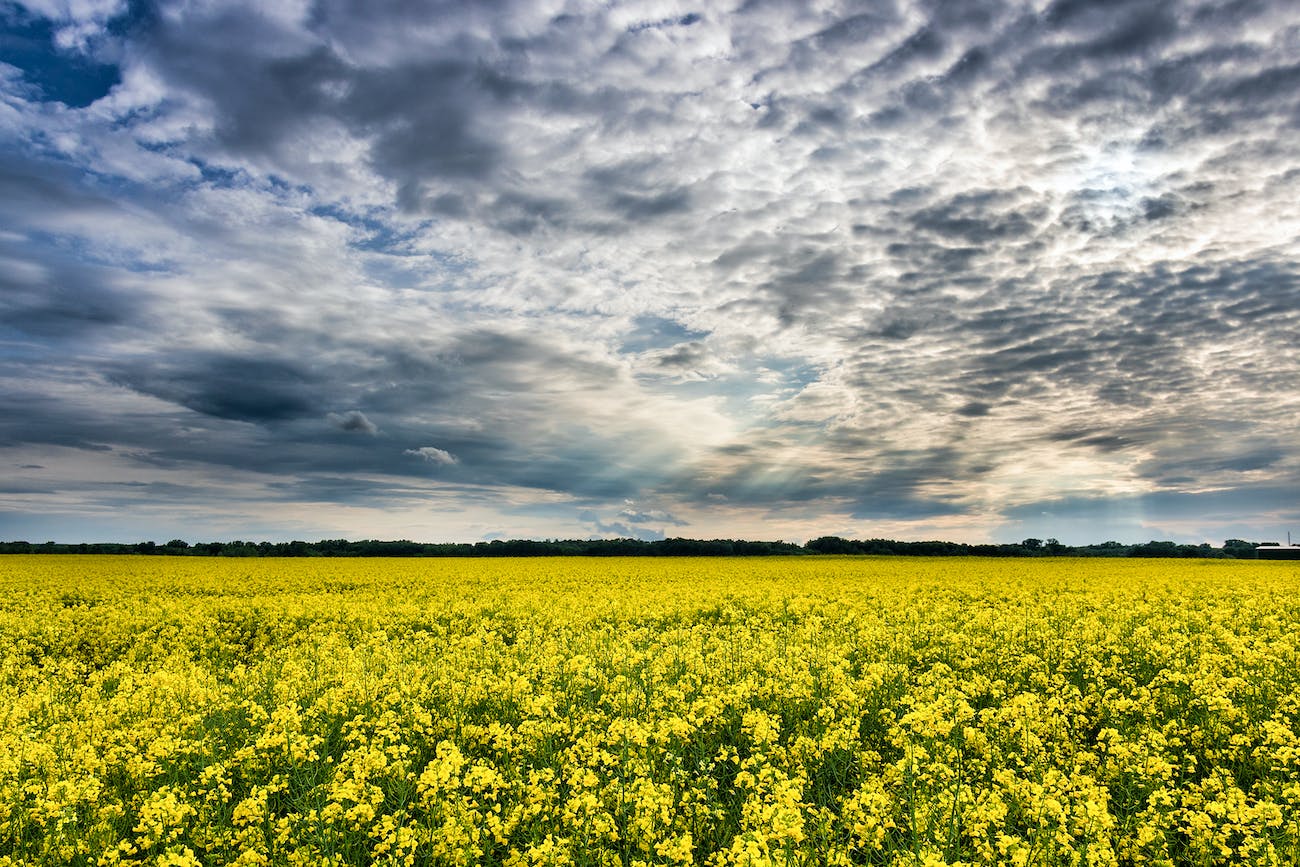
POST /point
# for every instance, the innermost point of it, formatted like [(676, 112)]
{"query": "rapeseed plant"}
[(803, 711)]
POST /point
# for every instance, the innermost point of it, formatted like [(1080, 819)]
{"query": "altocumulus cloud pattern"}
[(966, 270)]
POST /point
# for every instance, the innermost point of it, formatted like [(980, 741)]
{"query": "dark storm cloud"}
[(59, 300), (229, 387), (493, 396), (430, 120), (48, 289), (441, 140), (32, 417), (267, 85)]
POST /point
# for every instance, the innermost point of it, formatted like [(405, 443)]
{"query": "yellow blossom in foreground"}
[(658, 711)]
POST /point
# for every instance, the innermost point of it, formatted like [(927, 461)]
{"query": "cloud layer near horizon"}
[(448, 270)]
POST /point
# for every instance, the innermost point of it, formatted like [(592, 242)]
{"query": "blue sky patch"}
[(60, 75)]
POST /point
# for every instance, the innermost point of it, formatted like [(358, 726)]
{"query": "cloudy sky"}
[(960, 269)]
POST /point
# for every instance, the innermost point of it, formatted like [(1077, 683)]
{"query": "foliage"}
[(793, 711)]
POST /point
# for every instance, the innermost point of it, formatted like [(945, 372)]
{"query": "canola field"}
[(792, 711)]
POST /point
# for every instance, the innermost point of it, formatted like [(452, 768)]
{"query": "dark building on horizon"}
[(1278, 552)]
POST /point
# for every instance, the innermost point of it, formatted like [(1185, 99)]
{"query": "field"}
[(182, 711)]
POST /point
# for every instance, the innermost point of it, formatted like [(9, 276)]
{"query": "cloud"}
[(912, 266), (433, 455), (227, 386), (621, 529), (352, 421), (650, 516), (1188, 516)]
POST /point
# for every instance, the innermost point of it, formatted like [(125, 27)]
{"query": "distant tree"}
[(1032, 544), (1240, 549), (832, 545), (1154, 549)]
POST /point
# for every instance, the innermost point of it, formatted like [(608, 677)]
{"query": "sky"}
[(924, 269)]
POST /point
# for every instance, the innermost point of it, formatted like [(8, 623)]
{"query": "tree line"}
[(676, 547)]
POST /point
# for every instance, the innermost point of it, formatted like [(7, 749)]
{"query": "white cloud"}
[(433, 455)]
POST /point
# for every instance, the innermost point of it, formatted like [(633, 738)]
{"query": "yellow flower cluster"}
[(713, 712)]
